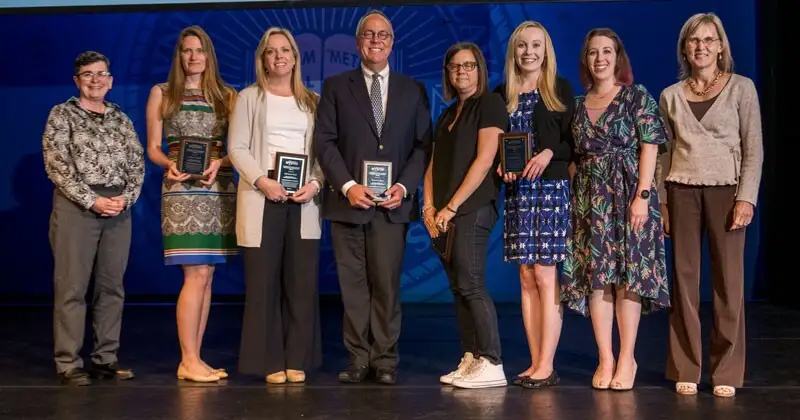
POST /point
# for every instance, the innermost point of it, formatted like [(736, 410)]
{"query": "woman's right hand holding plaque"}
[(272, 189), (173, 174)]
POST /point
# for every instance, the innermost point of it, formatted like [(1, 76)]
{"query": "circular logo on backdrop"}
[(327, 44)]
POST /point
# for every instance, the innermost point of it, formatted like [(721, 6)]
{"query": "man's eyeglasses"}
[(382, 35)]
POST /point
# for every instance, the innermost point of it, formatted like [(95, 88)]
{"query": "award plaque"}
[(443, 244), (377, 176), (515, 151), (290, 171), (194, 156)]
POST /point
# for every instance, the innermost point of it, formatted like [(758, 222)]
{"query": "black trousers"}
[(369, 261), (281, 329), (466, 271)]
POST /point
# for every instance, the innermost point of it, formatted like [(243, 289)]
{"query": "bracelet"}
[(450, 209)]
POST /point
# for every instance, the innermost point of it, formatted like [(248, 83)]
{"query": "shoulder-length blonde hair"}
[(547, 78), (305, 97), (217, 93), (724, 60)]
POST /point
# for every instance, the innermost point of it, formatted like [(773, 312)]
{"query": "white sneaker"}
[(463, 366), (482, 374)]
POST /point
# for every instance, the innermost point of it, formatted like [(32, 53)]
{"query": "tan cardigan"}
[(723, 148), (249, 154)]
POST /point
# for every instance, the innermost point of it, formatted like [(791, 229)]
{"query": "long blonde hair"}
[(725, 59), (547, 79), (305, 97), (217, 93)]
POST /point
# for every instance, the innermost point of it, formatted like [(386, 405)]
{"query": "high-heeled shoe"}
[(619, 386), (601, 383), (295, 376), (184, 374)]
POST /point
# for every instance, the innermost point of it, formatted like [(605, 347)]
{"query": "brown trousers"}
[(692, 210)]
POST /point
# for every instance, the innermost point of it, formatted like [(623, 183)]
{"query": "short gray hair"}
[(90, 57), (374, 12)]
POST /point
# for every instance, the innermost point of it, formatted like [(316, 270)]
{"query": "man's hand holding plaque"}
[(360, 196), (377, 177)]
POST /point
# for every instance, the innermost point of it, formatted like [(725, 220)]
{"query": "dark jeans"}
[(466, 271)]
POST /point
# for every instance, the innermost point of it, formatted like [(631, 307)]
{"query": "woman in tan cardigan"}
[(711, 178), (279, 232)]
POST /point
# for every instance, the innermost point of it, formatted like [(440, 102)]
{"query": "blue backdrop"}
[(39, 51)]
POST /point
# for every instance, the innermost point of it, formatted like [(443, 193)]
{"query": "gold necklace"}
[(693, 85)]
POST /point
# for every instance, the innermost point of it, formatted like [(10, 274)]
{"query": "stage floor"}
[(429, 347)]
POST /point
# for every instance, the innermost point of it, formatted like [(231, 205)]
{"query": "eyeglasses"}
[(88, 75), (706, 41), (382, 35), (468, 66)]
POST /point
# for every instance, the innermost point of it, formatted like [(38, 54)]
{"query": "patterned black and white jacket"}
[(85, 150)]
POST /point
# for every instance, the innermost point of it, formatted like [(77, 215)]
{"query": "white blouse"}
[(286, 127)]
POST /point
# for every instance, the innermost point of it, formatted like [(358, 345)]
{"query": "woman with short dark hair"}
[(94, 157)]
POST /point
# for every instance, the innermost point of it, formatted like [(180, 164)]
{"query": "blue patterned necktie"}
[(377, 101)]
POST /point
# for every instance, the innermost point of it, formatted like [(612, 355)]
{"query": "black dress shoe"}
[(111, 370), (386, 377), (75, 377), (354, 374)]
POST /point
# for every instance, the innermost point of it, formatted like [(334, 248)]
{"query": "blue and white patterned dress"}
[(536, 213)]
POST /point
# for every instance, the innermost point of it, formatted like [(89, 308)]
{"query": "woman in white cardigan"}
[(279, 232)]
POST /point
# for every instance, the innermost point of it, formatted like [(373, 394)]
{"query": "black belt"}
[(107, 192)]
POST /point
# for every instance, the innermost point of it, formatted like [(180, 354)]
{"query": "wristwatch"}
[(645, 194)]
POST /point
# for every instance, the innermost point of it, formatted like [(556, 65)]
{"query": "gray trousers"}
[(83, 244)]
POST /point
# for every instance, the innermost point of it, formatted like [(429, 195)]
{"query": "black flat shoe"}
[(551, 380), (75, 377), (111, 371), (518, 380)]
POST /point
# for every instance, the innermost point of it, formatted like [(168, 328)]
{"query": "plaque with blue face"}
[(194, 157), (290, 171), (515, 151), (377, 176)]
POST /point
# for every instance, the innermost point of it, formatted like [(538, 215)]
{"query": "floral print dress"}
[(604, 249)]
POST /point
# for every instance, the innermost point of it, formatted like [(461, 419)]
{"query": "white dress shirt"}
[(384, 83)]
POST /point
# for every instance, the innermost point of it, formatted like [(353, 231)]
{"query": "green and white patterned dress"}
[(198, 221)]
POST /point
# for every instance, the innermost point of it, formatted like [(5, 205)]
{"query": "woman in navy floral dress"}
[(617, 259), (536, 208)]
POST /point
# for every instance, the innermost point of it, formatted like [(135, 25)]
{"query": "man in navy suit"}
[(371, 114)]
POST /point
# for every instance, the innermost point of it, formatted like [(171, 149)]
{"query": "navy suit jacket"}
[(346, 135)]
